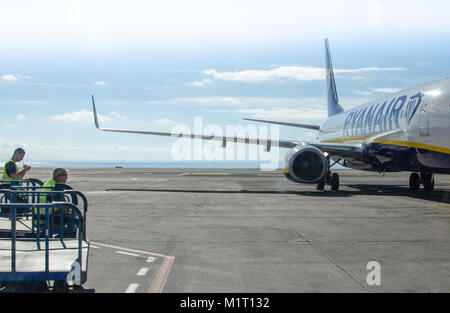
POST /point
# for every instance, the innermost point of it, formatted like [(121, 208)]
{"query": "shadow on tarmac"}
[(36, 287), (363, 190)]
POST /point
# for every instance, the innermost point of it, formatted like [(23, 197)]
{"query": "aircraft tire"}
[(320, 185), (335, 181), (427, 181), (414, 182)]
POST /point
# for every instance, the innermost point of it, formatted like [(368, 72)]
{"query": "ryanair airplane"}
[(406, 131)]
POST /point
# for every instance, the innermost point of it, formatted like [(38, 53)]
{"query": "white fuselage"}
[(417, 118)]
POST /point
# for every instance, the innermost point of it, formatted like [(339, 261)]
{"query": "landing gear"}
[(321, 184), (331, 179), (334, 182), (427, 179), (414, 182)]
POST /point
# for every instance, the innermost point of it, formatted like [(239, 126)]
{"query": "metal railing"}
[(49, 209), (38, 195)]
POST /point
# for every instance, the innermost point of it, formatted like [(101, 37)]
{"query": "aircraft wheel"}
[(321, 185), (335, 181), (414, 182), (427, 181)]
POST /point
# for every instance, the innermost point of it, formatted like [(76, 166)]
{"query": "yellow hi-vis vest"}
[(5, 175), (44, 199)]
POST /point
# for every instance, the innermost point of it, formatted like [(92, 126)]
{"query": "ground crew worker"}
[(11, 170), (59, 177)]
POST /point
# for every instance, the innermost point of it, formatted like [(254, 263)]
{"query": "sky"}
[(155, 65)]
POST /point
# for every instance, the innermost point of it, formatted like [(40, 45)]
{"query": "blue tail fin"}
[(333, 101)]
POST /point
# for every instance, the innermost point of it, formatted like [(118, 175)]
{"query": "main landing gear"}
[(331, 179), (427, 179)]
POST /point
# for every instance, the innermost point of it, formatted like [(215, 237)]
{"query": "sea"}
[(159, 164), (148, 164)]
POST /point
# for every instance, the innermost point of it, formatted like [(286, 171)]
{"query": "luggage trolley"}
[(43, 251)]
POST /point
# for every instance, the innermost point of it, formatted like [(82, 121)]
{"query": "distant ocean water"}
[(154, 164), (143, 164)]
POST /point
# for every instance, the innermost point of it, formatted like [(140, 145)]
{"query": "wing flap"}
[(315, 127)]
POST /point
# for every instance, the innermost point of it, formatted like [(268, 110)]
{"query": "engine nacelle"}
[(305, 164)]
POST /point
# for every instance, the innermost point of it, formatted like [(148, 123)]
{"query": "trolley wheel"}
[(335, 181), (60, 286), (414, 182)]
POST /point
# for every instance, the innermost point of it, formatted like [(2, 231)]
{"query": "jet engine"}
[(305, 164)]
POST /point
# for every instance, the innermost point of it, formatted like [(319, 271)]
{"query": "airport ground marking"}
[(128, 253), (142, 272), (161, 277), (159, 282), (132, 288)]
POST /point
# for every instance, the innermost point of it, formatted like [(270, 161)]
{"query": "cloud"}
[(200, 101), (9, 77), (82, 152), (165, 121), (20, 117), (79, 116), (23, 76), (369, 69), (201, 83), (100, 83), (301, 73), (290, 72), (13, 77), (385, 90), (119, 116)]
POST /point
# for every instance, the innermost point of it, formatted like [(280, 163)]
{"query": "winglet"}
[(95, 113)]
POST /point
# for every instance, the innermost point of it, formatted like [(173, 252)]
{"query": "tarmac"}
[(233, 231)]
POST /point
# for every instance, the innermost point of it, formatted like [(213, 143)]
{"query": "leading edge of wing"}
[(224, 139)]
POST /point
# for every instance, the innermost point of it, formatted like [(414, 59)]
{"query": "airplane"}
[(405, 131)]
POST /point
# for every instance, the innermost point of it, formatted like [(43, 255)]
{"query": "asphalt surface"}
[(213, 230)]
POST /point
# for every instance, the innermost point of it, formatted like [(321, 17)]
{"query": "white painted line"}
[(151, 259), (95, 247), (127, 253), (142, 271), (132, 288), (160, 280)]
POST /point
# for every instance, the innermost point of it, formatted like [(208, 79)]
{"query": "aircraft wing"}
[(343, 150), (315, 127), (267, 142)]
